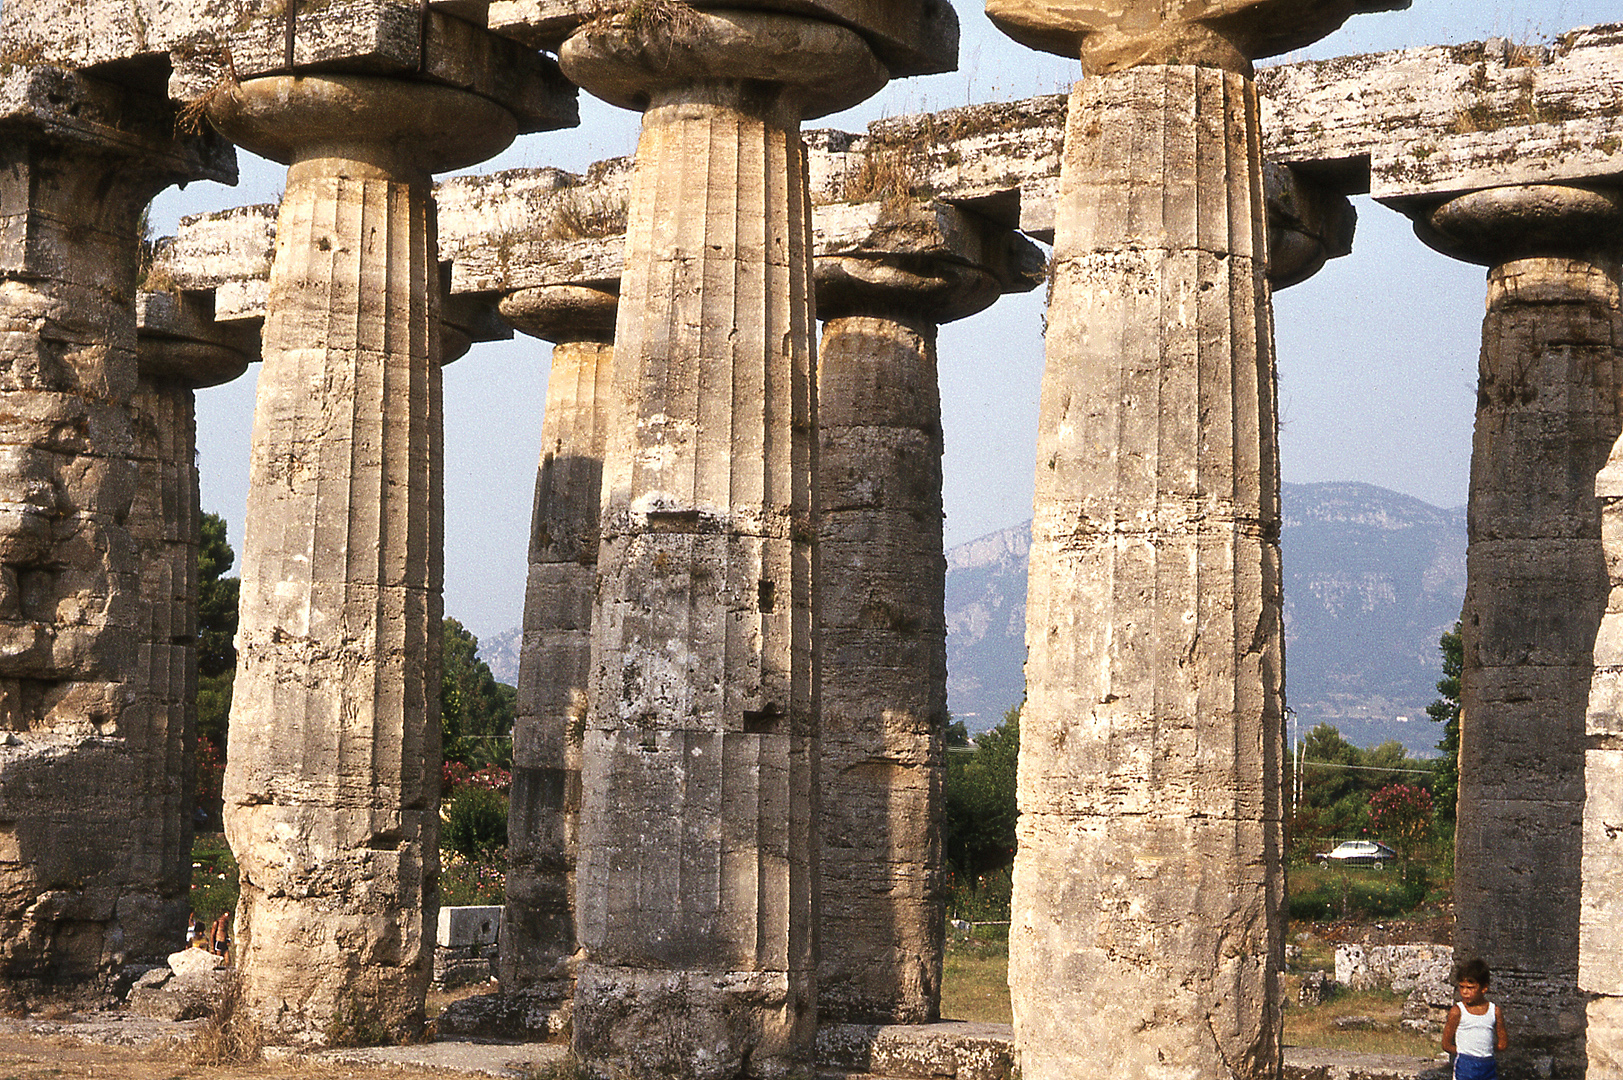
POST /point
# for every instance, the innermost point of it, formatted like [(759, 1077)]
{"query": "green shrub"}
[(214, 877), (1353, 893), (475, 821), (984, 898)]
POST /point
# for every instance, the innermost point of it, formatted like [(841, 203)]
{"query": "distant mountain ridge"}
[(1372, 579)]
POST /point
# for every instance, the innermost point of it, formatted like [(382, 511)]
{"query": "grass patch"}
[(975, 977), (1316, 1025), (1337, 892)]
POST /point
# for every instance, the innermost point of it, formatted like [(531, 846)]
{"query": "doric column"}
[(181, 350), (696, 882), (332, 781), (1149, 888), (882, 590), (538, 926), (94, 863), (1549, 408)]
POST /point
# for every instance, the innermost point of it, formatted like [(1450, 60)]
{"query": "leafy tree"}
[(216, 659), (476, 711), (980, 801), (1446, 711), (216, 601)]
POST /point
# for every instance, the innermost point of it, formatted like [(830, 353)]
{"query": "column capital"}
[(1111, 35), (1499, 225), (815, 67), (1308, 225), (182, 344), (563, 313), (77, 111), (393, 124), (927, 261)]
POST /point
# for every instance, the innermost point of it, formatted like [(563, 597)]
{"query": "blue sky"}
[(1377, 354)]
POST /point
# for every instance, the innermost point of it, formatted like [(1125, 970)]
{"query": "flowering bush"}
[(468, 881), (455, 775), (1402, 814)]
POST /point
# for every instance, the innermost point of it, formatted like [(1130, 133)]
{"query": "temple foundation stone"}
[(1148, 915), (332, 780), (538, 926), (1549, 409)]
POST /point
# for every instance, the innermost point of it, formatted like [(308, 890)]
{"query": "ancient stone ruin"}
[(728, 757)]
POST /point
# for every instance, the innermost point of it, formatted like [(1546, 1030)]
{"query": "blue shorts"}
[(1467, 1067)]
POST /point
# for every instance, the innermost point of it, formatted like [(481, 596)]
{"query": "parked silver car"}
[(1358, 853)]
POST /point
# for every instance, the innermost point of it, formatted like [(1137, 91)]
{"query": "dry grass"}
[(584, 214), (229, 1037), (667, 18)]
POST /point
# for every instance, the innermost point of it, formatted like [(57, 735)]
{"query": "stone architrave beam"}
[(200, 45), (221, 262), (1447, 119), (95, 860)]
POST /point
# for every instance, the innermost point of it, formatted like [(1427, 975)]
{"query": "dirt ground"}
[(25, 1057)]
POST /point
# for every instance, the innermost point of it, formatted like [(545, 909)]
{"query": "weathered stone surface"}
[(94, 855), (911, 37), (1605, 1038), (1147, 921), (1549, 408), (1113, 35), (884, 283), (696, 881), (965, 1051), (1313, 1064), (556, 653), (1398, 968), (332, 781), (1600, 950), (525, 1016), (1452, 118)]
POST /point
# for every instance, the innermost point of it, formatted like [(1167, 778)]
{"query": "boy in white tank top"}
[(1475, 1030)]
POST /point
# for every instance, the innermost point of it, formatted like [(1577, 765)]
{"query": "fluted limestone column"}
[(332, 781), (538, 925), (165, 524), (1549, 408), (884, 632), (1600, 950), (94, 865), (696, 881), (1148, 886)]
